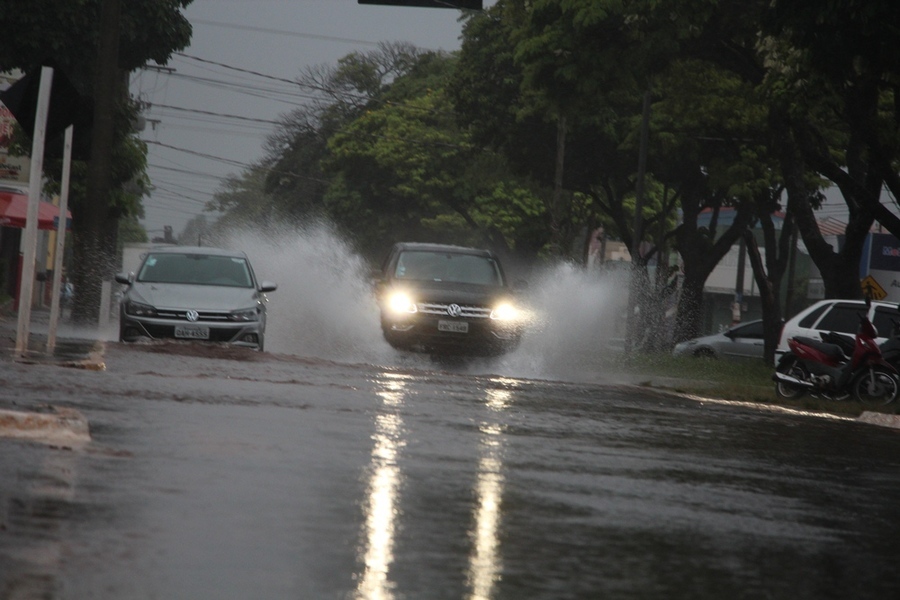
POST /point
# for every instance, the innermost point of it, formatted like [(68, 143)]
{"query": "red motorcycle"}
[(826, 370)]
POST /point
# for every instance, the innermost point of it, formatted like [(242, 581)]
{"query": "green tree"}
[(834, 85), (95, 42)]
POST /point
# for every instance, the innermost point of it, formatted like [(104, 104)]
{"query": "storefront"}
[(13, 212)]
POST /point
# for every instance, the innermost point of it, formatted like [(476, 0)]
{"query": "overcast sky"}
[(189, 150)]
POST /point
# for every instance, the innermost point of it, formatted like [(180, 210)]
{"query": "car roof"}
[(853, 301), (428, 247), (206, 250)]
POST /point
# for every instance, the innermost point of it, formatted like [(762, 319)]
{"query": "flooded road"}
[(218, 473)]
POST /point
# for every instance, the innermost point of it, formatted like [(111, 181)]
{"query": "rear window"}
[(843, 318), (884, 317), (810, 319), (750, 330)]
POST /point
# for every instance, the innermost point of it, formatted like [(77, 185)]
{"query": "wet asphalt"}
[(214, 472)]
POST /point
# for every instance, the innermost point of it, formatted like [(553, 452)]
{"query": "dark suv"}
[(439, 298)]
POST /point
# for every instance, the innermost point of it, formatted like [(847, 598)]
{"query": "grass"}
[(741, 380)]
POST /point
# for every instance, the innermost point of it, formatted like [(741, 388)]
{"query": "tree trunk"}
[(769, 288), (690, 308), (92, 260)]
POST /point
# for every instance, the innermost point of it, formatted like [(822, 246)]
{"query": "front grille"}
[(205, 316), (470, 312)]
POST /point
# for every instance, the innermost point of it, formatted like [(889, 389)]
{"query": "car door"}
[(746, 341)]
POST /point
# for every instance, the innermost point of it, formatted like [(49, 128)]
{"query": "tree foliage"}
[(529, 137), (69, 35)]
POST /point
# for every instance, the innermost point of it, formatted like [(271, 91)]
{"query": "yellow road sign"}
[(871, 289)]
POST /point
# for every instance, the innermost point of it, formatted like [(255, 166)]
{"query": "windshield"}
[(448, 267), (196, 269)]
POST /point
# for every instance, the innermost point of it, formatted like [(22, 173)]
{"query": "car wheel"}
[(121, 325), (704, 353)]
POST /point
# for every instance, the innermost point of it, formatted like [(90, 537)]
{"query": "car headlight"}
[(139, 310), (250, 314), (505, 312), (400, 302)]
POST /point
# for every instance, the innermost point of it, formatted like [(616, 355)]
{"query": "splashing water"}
[(579, 323), (324, 307)]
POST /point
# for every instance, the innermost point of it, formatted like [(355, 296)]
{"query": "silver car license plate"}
[(192, 333), (453, 326)]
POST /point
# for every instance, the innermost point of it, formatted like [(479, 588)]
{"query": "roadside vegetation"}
[(742, 381)]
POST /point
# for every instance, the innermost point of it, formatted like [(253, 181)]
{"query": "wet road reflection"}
[(485, 560), (281, 479), (383, 487)]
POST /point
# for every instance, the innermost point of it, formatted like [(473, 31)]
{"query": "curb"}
[(876, 418), (90, 360), (61, 426), (93, 361)]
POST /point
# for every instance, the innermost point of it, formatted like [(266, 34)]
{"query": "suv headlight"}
[(400, 302), (249, 314), (139, 310), (505, 312)]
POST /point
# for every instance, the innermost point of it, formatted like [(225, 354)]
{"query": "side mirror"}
[(125, 279), (267, 286)]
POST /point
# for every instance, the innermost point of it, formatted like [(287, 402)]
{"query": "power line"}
[(201, 154), (216, 114), (314, 36)]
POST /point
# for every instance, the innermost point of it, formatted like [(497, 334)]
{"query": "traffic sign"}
[(871, 289)]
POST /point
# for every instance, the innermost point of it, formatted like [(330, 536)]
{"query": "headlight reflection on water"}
[(485, 560), (384, 482)]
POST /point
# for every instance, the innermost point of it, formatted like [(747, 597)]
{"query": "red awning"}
[(14, 209)]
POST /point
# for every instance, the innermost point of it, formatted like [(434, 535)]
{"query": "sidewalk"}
[(69, 351), (53, 425)]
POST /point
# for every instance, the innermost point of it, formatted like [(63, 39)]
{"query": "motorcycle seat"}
[(830, 350)]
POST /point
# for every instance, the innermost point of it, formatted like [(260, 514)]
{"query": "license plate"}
[(192, 333), (453, 326)]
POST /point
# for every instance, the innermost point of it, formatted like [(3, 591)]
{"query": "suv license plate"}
[(453, 326), (192, 333)]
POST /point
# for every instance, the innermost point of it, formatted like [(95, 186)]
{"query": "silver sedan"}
[(740, 341), (194, 293)]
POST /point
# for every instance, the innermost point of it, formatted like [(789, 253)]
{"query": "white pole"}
[(29, 238), (60, 238)]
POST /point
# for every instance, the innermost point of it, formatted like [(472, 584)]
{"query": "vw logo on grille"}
[(192, 315), (454, 310)]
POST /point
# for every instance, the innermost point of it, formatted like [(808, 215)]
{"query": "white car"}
[(841, 316), (744, 340), (194, 293)]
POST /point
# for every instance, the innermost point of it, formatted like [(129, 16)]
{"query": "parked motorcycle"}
[(890, 348), (835, 371)]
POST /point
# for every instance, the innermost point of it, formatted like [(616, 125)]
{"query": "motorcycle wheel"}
[(787, 390), (876, 387)]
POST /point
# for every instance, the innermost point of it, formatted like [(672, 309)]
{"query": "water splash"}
[(579, 323), (325, 307)]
